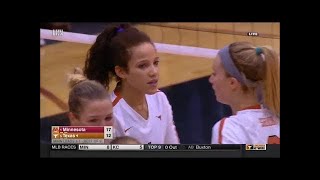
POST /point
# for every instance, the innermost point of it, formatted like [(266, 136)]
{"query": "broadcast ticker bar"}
[(148, 147)]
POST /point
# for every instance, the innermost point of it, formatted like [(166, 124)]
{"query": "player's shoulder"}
[(226, 131), (252, 113), (242, 123), (158, 97), (228, 123), (159, 93)]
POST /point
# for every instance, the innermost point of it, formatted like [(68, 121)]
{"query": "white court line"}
[(161, 48)]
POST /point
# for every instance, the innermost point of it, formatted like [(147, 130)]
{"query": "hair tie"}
[(120, 29), (259, 50)]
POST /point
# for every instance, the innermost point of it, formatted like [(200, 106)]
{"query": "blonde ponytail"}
[(76, 78), (271, 90)]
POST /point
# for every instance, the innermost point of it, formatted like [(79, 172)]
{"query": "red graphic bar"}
[(82, 129)]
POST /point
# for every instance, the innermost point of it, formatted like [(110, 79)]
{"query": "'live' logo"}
[(57, 32), (253, 34)]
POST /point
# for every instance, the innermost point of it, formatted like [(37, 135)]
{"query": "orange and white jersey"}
[(159, 128), (252, 125)]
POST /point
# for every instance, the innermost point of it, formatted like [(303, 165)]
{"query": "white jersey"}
[(159, 128), (249, 126)]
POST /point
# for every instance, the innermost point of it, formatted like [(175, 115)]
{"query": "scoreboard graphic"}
[(95, 138), (81, 134)]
